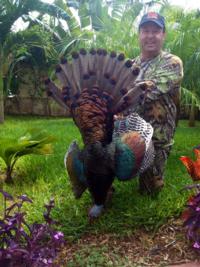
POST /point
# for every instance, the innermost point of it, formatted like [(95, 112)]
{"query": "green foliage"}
[(34, 141), (10, 12), (119, 30), (44, 177), (182, 27), (185, 27), (188, 97), (33, 47)]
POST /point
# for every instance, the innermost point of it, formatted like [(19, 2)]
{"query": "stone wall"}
[(41, 106), (31, 98)]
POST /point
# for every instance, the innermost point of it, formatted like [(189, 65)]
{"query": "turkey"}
[(96, 86)]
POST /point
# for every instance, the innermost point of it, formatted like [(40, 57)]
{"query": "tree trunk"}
[(1, 98), (1, 109), (9, 179), (191, 122)]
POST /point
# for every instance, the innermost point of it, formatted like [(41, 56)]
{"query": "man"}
[(161, 104), (160, 108)]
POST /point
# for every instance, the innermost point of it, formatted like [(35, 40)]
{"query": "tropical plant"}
[(72, 36), (91, 13), (186, 27), (112, 22), (119, 30), (33, 47), (22, 244), (191, 216), (34, 141), (10, 12)]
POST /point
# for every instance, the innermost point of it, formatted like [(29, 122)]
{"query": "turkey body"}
[(96, 86), (129, 153)]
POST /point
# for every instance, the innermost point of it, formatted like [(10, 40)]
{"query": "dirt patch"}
[(168, 246)]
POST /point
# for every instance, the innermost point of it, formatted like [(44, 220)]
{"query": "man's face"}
[(151, 38)]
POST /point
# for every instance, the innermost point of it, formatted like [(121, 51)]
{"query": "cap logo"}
[(152, 15)]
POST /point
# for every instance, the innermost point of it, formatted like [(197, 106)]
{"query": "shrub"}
[(191, 217), (21, 244), (34, 141)]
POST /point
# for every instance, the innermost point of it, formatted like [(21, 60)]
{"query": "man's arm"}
[(166, 78)]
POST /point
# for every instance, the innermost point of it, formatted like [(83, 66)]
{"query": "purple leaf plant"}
[(191, 216), (24, 245)]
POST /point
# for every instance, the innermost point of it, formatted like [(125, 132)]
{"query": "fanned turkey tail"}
[(96, 85)]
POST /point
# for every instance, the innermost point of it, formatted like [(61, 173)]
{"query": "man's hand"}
[(147, 85), (118, 116)]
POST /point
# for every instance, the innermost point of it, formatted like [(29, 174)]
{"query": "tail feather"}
[(129, 82), (54, 91), (92, 64), (106, 73), (107, 59), (84, 69), (99, 68), (110, 74), (84, 64), (123, 75), (76, 71), (119, 65), (66, 68), (131, 97), (109, 67), (61, 76)]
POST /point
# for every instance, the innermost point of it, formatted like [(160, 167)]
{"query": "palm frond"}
[(12, 10), (189, 98)]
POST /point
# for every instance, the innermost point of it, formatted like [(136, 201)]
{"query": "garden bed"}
[(168, 246)]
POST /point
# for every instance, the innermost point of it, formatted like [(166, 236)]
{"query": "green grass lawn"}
[(43, 177)]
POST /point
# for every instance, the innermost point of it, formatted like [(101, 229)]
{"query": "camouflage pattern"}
[(160, 109)]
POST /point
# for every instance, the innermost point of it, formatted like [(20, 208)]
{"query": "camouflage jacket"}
[(161, 104)]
